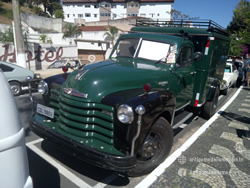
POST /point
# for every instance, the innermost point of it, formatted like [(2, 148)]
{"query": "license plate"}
[(44, 110)]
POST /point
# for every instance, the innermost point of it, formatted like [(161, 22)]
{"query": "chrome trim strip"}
[(183, 106), (74, 92)]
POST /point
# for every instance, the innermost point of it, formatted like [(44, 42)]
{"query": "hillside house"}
[(102, 10)]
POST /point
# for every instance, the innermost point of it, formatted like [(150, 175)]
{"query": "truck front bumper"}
[(83, 152), (34, 83)]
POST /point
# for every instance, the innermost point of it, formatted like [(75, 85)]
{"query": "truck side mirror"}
[(197, 56)]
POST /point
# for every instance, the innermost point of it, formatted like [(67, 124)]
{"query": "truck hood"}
[(102, 78)]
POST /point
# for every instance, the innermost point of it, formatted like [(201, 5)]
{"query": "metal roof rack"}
[(207, 24)]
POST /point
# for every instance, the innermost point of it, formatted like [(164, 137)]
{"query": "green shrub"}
[(58, 14), (37, 10)]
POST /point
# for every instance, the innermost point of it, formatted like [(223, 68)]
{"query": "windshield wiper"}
[(166, 57), (160, 60)]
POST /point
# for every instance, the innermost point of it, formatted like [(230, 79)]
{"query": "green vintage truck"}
[(119, 114)]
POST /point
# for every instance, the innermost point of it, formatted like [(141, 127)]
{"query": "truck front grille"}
[(87, 121)]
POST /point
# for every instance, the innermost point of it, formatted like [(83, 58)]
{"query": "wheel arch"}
[(166, 115), (10, 81)]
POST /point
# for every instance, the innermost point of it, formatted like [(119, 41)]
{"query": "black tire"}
[(210, 107), (225, 91), (15, 88), (234, 84), (155, 149), (238, 83)]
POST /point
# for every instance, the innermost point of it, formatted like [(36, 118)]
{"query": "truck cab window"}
[(185, 57), (141, 48), (125, 48)]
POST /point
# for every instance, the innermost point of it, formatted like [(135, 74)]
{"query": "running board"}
[(181, 118)]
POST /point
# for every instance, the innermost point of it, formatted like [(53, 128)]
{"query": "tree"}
[(176, 15), (235, 46), (7, 36), (71, 31), (45, 39), (55, 9), (239, 27), (59, 14), (111, 33)]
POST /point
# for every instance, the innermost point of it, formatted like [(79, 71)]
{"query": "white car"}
[(230, 78), (13, 155), (16, 77), (56, 67), (238, 62)]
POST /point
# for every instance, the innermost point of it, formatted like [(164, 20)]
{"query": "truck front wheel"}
[(210, 107), (155, 148)]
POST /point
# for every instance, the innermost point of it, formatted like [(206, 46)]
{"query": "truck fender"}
[(158, 103)]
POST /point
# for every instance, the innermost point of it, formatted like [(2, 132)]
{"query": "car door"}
[(185, 74)]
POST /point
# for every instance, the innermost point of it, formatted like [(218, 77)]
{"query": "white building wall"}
[(119, 10), (57, 39), (72, 12), (149, 10), (40, 55), (156, 11), (93, 35)]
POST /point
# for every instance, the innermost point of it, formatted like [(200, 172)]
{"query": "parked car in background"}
[(230, 78), (17, 75), (56, 67), (13, 154), (240, 66)]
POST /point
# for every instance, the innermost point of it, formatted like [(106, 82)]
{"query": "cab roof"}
[(182, 28)]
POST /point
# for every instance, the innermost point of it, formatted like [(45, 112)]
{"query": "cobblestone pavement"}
[(220, 157)]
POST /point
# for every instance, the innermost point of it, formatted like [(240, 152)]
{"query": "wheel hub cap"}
[(149, 148)]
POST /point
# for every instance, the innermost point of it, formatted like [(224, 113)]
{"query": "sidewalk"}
[(220, 157)]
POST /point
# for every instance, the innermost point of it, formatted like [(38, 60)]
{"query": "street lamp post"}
[(21, 60)]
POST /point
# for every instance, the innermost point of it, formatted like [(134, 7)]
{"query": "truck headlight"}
[(42, 87), (125, 114)]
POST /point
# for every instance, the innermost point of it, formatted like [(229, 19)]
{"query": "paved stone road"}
[(218, 158)]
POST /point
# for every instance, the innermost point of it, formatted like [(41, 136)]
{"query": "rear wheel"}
[(155, 148), (15, 88), (210, 107)]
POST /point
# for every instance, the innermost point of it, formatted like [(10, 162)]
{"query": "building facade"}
[(99, 10)]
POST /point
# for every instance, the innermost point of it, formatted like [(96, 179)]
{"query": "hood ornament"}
[(81, 74), (74, 92)]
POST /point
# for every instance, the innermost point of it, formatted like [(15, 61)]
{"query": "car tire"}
[(225, 91), (155, 148), (210, 107), (15, 88), (234, 84)]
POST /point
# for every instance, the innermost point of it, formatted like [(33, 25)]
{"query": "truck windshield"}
[(142, 48)]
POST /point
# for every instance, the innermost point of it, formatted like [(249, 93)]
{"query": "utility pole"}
[(21, 60)]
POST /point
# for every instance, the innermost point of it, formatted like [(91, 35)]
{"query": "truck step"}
[(181, 118)]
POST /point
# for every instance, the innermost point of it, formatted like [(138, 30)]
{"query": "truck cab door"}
[(185, 77)]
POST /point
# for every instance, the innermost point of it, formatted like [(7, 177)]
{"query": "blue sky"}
[(220, 11)]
